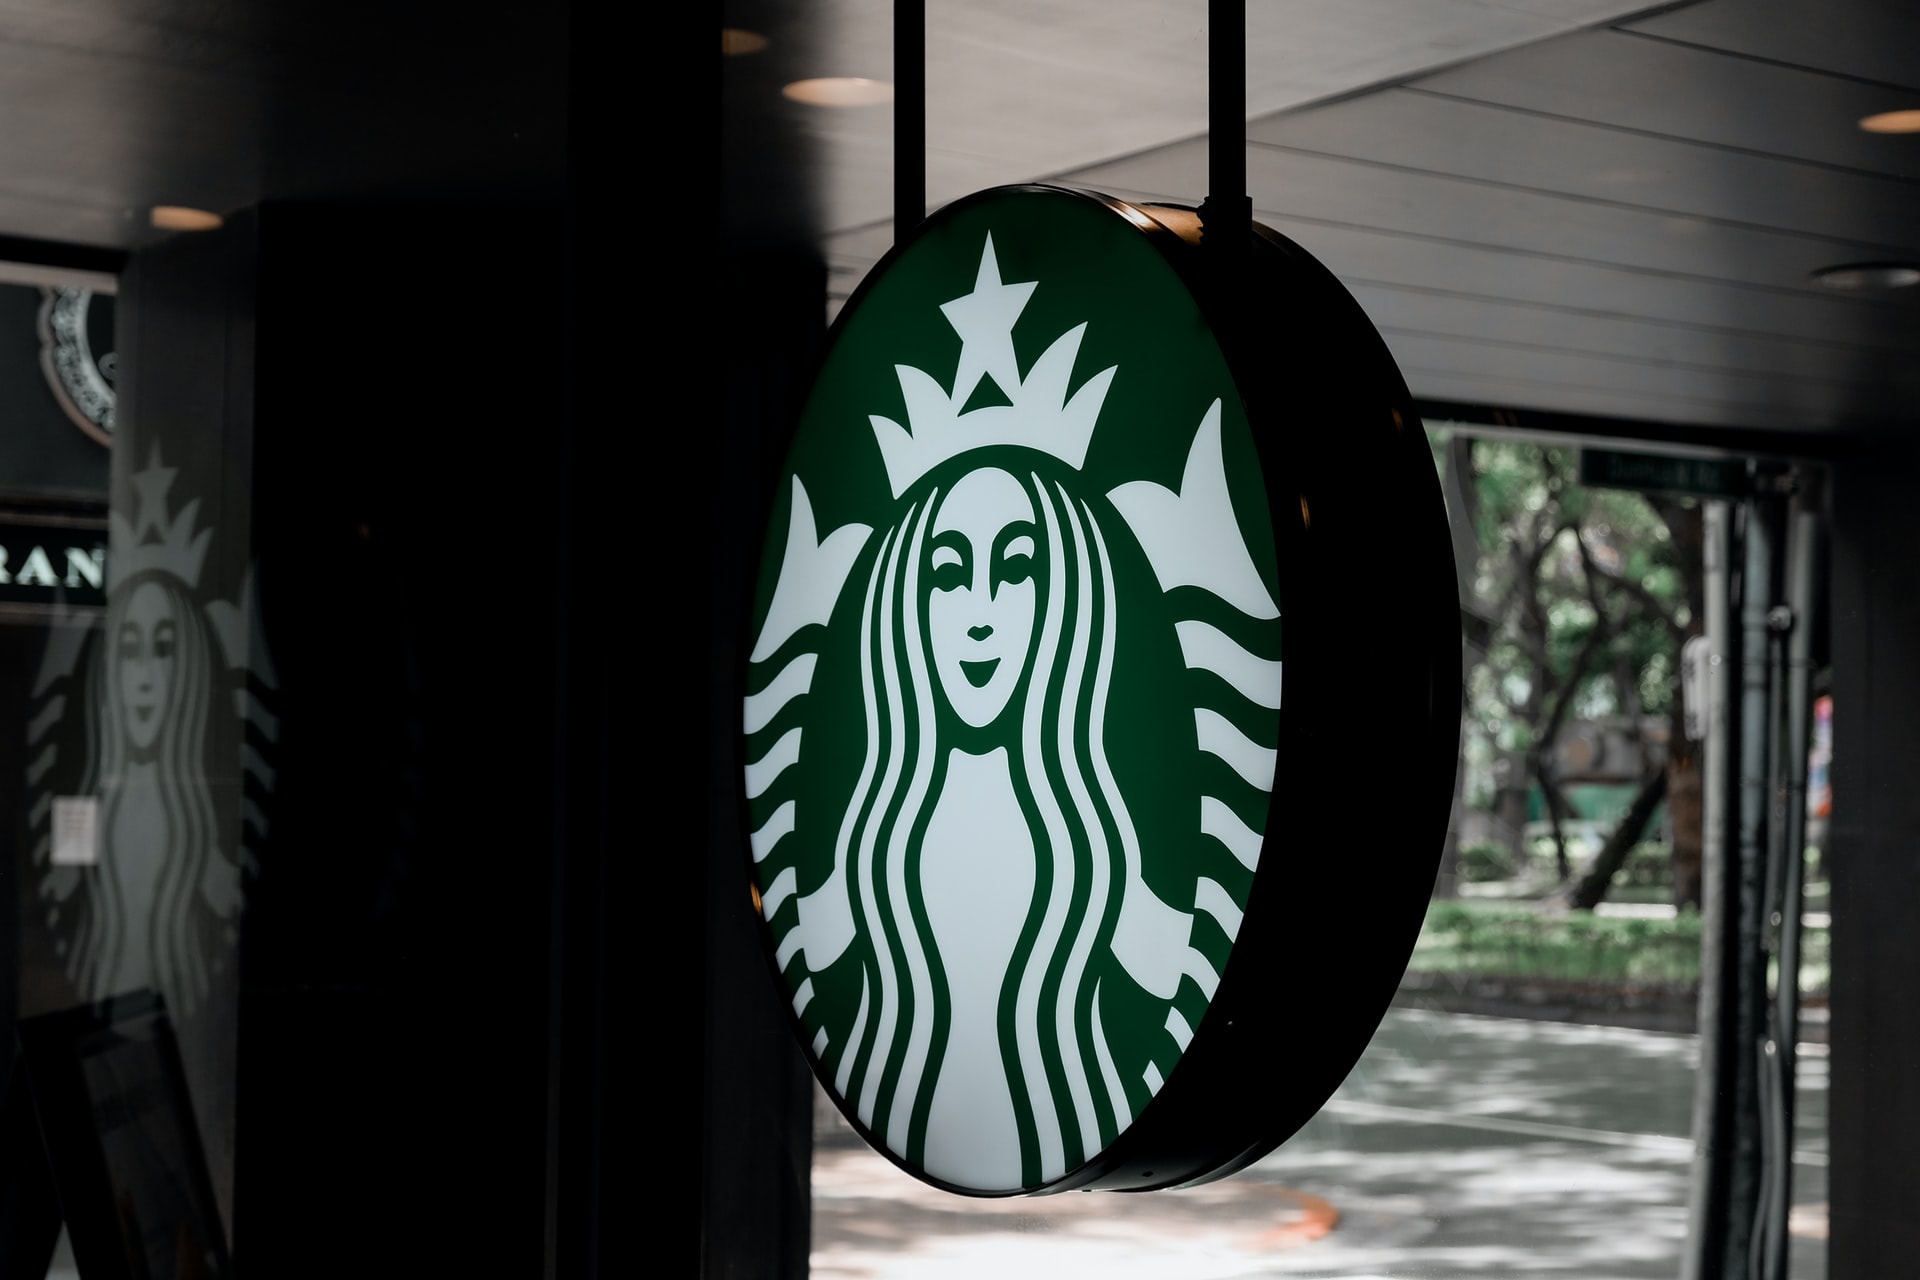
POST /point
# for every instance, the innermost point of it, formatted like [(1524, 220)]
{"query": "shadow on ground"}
[(1459, 1146)]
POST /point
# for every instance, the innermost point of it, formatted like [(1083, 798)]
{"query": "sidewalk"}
[(1459, 1146)]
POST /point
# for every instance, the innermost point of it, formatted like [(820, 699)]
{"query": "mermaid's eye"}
[(1016, 559), (948, 567)]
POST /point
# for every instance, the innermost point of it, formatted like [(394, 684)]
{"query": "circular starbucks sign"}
[(76, 354), (1017, 765)]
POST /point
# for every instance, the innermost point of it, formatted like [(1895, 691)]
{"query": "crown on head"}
[(1039, 414), (150, 542)]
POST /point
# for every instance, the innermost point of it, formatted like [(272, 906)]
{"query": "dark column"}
[(387, 390), (1874, 1180), (759, 1103)]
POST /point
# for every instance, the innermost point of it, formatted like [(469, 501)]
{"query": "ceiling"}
[(1578, 207), (111, 107), (1549, 206)]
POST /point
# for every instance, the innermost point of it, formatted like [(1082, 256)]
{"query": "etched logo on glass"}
[(141, 883)]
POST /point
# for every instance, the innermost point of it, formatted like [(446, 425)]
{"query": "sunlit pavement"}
[(1459, 1146)]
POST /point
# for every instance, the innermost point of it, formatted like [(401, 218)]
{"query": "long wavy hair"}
[(1067, 1094), (176, 927)]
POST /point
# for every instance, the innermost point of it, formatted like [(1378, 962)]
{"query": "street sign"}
[(1026, 808), (1661, 473)]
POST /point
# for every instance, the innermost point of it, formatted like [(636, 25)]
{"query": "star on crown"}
[(1039, 415), (150, 542)]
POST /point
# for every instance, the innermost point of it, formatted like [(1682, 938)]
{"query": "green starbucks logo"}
[(1013, 691)]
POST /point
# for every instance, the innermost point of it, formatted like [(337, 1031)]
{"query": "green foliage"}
[(1648, 865), (1533, 520), (1520, 942), (1488, 939), (1585, 596), (1483, 861)]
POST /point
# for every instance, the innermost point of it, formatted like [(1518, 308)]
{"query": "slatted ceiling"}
[(1472, 353), (1362, 193), (1621, 401), (1450, 289), (1634, 338), (1356, 255), (1635, 81), (1018, 89), (1424, 131), (1821, 401), (1604, 223), (1866, 39)]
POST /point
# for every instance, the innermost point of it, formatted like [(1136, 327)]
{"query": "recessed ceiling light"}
[(178, 217), (1869, 275), (734, 42), (840, 91), (1892, 122)]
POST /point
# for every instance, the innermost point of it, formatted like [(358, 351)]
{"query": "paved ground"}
[(1460, 1146)]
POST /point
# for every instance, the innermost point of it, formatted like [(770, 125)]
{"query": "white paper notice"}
[(76, 823)]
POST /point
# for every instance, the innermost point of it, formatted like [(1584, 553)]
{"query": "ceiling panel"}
[(1468, 212), (1357, 255), (1764, 400), (1360, 256), (1554, 328), (1865, 39), (1023, 89), (1658, 411), (110, 109), (1636, 82), (1427, 132), (1604, 222), (1817, 402)]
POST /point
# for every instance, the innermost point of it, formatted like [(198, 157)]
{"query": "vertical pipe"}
[(909, 116), (1706, 1198), (1772, 1070), (1227, 212), (1748, 979), (1802, 539)]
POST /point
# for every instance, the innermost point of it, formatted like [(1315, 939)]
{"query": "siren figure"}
[(157, 904), (990, 613), (160, 856)]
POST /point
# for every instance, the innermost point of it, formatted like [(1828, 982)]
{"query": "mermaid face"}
[(148, 636), (980, 560)]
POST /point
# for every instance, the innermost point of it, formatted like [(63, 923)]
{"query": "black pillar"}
[(758, 1142), (386, 388), (1874, 1179)]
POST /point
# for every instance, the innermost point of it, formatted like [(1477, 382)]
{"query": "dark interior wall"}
[(400, 377), (1874, 1179), (757, 1139)]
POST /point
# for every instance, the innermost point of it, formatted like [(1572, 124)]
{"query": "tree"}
[(1591, 594)]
